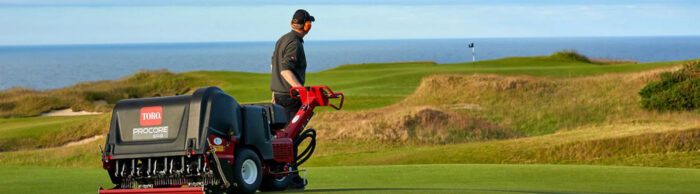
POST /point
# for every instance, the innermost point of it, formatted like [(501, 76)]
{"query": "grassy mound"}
[(418, 125), (679, 90), (85, 155), (536, 106), (571, 55), (23, 102)]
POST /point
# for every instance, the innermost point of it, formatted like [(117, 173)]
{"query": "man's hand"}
[(289, 77)]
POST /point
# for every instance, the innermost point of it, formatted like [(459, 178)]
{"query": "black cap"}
[(301, 16)]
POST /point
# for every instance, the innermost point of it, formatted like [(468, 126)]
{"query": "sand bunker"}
[(67, 112)]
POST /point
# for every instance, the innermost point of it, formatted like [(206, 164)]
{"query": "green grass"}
[(31, 179), (434, 178), (28, 133), (477, 178)]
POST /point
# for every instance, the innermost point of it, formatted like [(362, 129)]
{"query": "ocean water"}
[(48, 67)]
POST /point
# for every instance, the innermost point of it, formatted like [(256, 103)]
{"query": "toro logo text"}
[(152, 115)]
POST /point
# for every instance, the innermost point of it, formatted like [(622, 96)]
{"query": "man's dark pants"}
[(291, 106)]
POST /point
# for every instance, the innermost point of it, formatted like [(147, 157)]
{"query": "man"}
[(289, 63), (289, 70)]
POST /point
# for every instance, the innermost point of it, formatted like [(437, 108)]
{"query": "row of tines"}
[(161, 167)]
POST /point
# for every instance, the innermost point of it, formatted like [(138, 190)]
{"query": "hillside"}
[(367, 86)]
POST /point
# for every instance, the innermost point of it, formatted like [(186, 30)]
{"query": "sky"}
[(61, 22)]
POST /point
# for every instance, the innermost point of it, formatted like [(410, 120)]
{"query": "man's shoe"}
[(297, 183)]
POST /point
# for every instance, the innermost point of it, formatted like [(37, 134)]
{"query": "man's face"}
[(299, 28)]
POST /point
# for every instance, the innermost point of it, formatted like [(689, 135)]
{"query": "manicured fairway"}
[(502, 178), (30, 179), (435, 178)]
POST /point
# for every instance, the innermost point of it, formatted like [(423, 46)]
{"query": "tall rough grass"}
[(663, 144), (536, 106), (32, 133), (603, 61), (93, 127), (668, 142), (422, 125), (24, 102), (80, 156)]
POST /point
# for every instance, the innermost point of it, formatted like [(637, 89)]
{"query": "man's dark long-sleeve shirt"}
[(288, 55)]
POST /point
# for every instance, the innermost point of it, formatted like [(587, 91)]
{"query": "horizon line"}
[(322, 40)]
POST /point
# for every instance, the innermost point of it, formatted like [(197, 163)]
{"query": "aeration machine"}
[(209, 143)]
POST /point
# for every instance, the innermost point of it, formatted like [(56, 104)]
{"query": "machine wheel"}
[(247, 171), (276, 184)]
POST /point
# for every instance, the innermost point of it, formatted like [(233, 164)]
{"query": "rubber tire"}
[(272, 184), (242, 187)]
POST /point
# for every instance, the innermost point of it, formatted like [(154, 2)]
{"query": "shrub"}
[(679, 90)]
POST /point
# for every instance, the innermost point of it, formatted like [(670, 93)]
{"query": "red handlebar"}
[(319, 94), (310, 97), (342, 98)]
